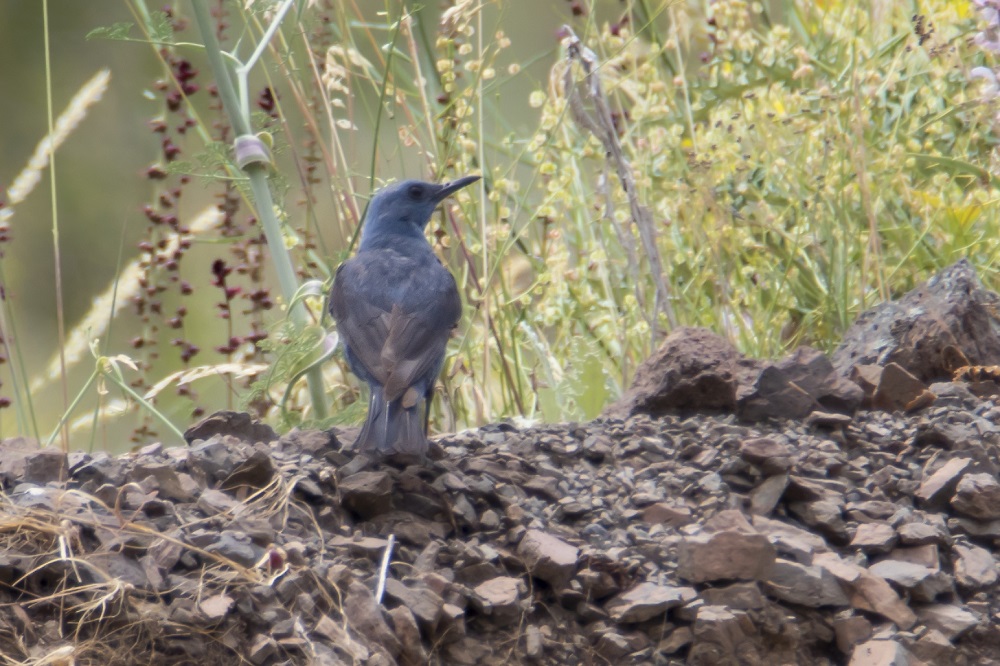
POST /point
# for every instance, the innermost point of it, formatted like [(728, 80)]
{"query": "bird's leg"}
[(427, 409)]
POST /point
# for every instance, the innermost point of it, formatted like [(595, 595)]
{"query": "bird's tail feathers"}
[(390, 428)]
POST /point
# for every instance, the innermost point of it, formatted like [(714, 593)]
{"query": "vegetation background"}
[(786, 165)]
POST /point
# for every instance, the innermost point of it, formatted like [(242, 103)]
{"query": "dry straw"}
[(31, 175)]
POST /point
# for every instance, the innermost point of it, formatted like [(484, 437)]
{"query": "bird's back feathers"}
[(395, 313)]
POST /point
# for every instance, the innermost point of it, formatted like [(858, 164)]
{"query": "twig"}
[(600, 124), (384, 569)]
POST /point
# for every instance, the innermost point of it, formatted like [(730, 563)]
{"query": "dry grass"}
[(70, 603)]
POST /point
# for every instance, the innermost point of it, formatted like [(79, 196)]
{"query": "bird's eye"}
[(416, 192)]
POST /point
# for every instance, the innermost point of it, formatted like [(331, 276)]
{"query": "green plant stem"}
[(123, 385), (72, 407), (257, 173), (57, 259)]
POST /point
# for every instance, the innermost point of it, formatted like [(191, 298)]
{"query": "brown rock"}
[(410, 528), (824, 515), (867, 377), (365, 545), (790, 540), (678, 638), (918, 534), (898, 390), (868, 510), (12, 454), (498, 597), (215, 458), (874, 538), (367, 494), (883, 600), (922, 583), (21, 459), (335, 633), (212, 501), (770, 455), (809, 489), (867, 591), (661, 513), (612, 645), (697, 369), (262, 648), (452, 625), (364, 616), (235, 424), (850, 631), (408, 633), (723, 637), (597, 584), (646, 601), (881, 653), (974, 566), (44, 465), (773, 395), (468, 651), (255, 472), (216, 607), (977, 528), (804, 585), (925, 556), (939, 487), (766, 496), (950, 620), (948, 316), (730, 520), (810, 370), (724, 556), (233, 545), (794, 387), (693, 369), (934, 648), (978, 496), (738, 596), (423, 603), (549, 558)]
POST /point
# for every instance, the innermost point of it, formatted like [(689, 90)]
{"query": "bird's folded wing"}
[(412, 350), (363, 325)]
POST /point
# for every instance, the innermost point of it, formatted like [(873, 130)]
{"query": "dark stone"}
[(236, 424), (693, 369), (255, 472), (949, 321)]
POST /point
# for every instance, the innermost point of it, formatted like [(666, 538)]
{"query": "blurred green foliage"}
[(798, 163)]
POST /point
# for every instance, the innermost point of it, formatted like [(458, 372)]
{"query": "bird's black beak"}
[(447, 189)]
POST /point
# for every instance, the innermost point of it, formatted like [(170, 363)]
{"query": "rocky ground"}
[(727, 511)]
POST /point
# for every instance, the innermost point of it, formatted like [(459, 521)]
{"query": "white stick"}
[(384, 570)]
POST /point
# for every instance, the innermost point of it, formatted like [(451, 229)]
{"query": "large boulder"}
[(949, 321)]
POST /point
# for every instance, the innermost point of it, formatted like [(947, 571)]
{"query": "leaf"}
[(117, 32), (161, 30), (956, 167)]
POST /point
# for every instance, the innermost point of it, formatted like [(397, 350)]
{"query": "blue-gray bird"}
[(395, 306)]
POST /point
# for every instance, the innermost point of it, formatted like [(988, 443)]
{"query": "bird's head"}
[(405, 208)]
